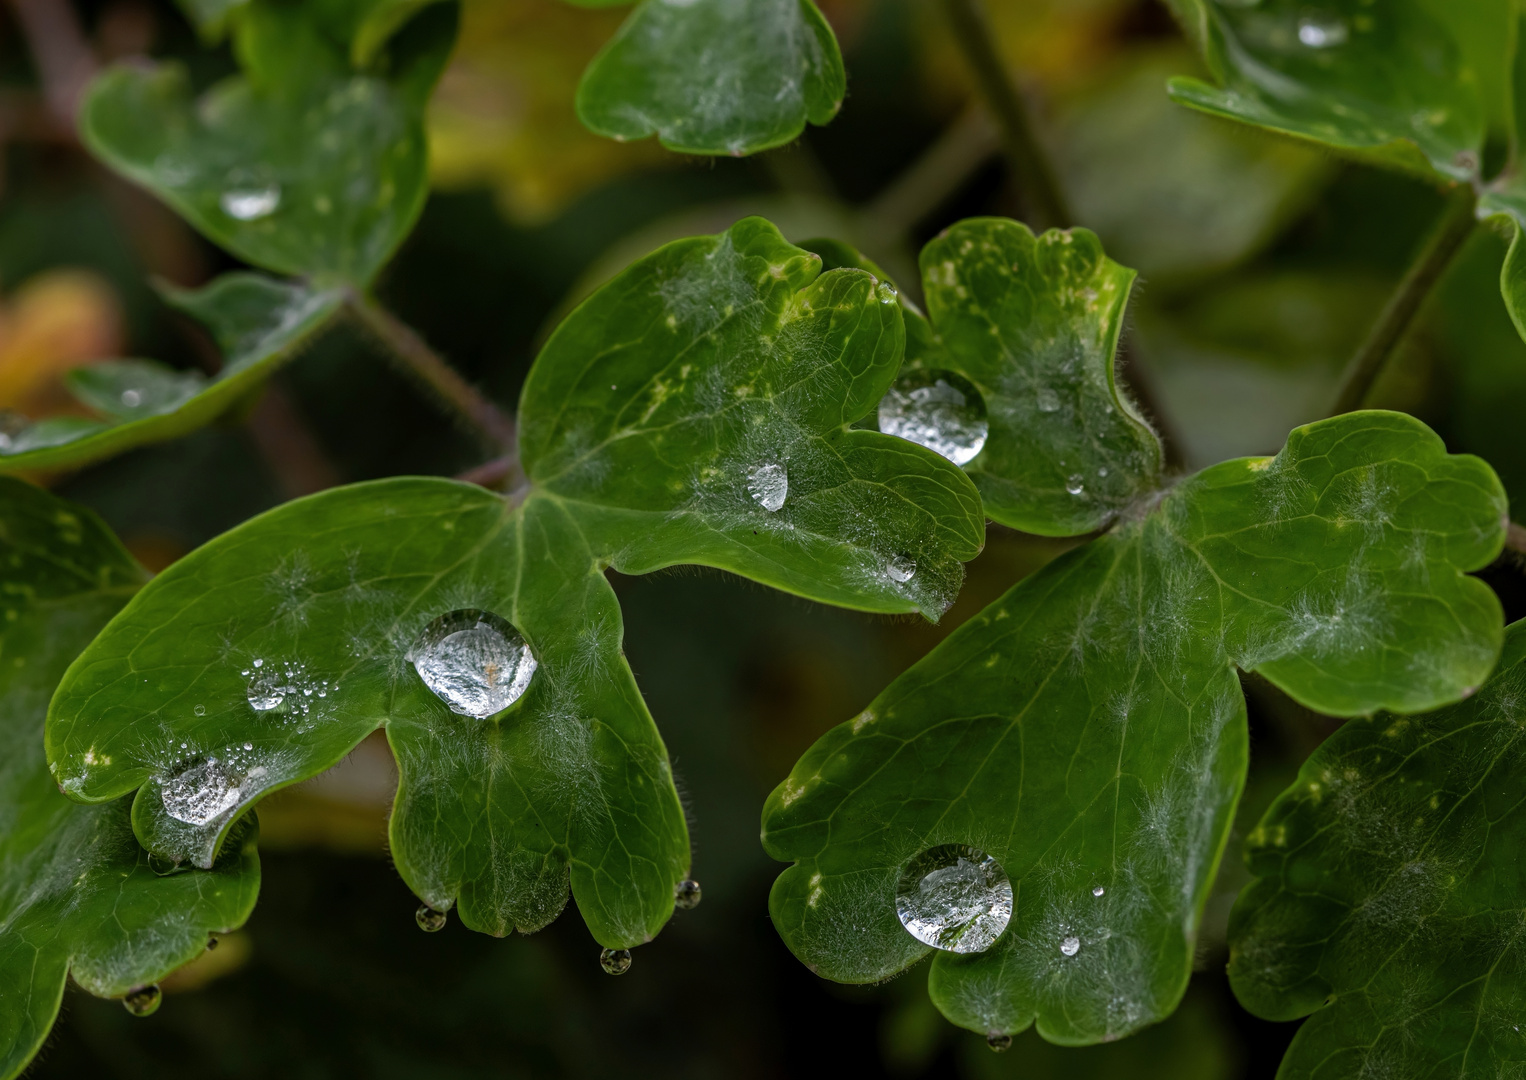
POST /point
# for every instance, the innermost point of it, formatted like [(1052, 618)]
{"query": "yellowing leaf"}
[(56, 322)]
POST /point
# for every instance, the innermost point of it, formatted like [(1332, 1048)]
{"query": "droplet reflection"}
[(954, 897)]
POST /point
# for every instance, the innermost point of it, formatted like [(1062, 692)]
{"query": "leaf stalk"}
[(1451, 230), (1030, 164)]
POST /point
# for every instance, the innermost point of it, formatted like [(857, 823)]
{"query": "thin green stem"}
[(1030, 165), (485, 419), (1454, 227)]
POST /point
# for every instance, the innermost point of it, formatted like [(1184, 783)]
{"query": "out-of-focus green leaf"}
[(259, 323), (715, 76), (1387, 905), (303, 165), (1087, 731), (1400, 84), (697, 409), (1033, 323), (1170, 192), (77, 894)]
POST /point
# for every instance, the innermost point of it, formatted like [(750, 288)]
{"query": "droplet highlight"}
[(954, 897), (250, 196), (474, 661), (940, 410), (615, 961), (1075, 483), (686, 894), (1319, 33), (1070, 946), (1098, 890), (144, 1001), (768, 484), (209, 789), (429, 919), (901, 569)]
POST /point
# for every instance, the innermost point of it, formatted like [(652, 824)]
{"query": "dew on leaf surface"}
[(939, 410), (686, 894), (902, 568), (1319, 33), (132, 398), (474, 661), (1070, 946), (1048, 400), (429, 919), (999, 1043), (1098, 890), (250, 196), (954, 897), (1075, 483), (209, 789), (615, 961), (768, 484), (143, 1001)]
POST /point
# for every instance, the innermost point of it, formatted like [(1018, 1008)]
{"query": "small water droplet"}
[(258, 662), (1049, 401), (211, 942), (143, 1001), (1102, 471), (250, 195), (1070, 946), (902, 568), (1322, 33), (940, 410), (768, 484), (1075, 483), (1098, 890), (686, 894), (132, 398), (249, 746), (999, 1043), (200, 710), (474, 661), (615, 961), (954, 897), (429, 919), (163, 865)]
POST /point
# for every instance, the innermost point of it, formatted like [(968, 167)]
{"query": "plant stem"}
[(1515, 538), (1030, 165), (481, 415), (1447, 236)]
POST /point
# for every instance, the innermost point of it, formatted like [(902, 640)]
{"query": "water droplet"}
[(209, 789), (768, 484), (686, 894), (144, 1001), (999, 1043), (1098, 890), (200, 710), (1102, 471), (429, 919), (615, 961), (250, 195), (954, 897), (211, 942), (132, 398), (266, 690), (1049, 401), (1322, 33), (1075, 483), (901, 568), (939, 410), (258, 662), (165, 866), (249, 746), (475, 662), (1070, 946)]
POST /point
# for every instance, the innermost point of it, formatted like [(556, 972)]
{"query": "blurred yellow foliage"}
[(57, 321), (503, 115)]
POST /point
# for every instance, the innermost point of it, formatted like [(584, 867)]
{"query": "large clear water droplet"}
[(250, 195), (686, 894), (143, 1001), (207, 790), (475, 662), (615, 961), (1070, 946), (999, 1043), (954, 897), (902, 568), (940, 410), (1322, 33), (429, 919), (768, 484)]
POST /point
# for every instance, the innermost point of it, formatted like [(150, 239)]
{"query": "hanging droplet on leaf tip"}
[(615, 961), (686, 894), (143, 1001), (999, 1043), (429, 919)]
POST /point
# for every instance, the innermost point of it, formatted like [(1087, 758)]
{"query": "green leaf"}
[(1033, 323), (1087, 730), (264, 657), (719, 367), (1404, 85), (715, 76), (303, 165), (259, 323), (77, 894), (1387, 902)]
